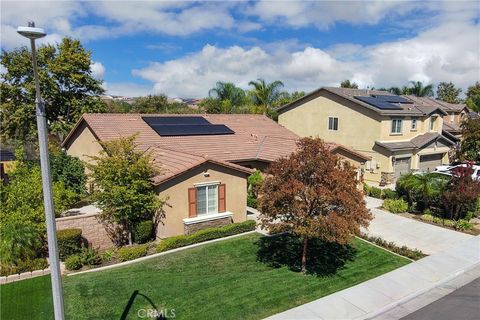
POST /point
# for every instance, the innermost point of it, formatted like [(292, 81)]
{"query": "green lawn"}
[(217, 281)]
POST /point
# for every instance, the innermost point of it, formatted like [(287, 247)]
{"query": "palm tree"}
[(265, 94), (419, 90), (227, 91)]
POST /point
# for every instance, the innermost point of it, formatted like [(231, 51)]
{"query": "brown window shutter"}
[(192, 202), (222, 202)]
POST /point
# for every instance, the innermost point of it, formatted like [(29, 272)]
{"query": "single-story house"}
[(205, 160)]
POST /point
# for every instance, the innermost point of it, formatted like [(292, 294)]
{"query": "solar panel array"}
[(185, 126), (383, 102)]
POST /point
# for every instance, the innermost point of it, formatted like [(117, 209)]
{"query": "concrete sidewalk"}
[(411, 233), (376, 297)]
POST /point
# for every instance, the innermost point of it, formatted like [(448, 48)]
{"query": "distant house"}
[(205, 159), (7, 159), (455, 113), (398, 133)]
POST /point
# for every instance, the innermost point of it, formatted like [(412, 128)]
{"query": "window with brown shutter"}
[(222, 203), (192, 202)]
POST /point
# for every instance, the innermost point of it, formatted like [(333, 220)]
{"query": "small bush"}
[(463, 225), (108, 255), (143, 231), (366, 189), (205, 235), (89, 256), (389, 194), (427, 217), (73, 262), (252, 202), (375, 192), (132, 252), (69, 242), (395, 205)]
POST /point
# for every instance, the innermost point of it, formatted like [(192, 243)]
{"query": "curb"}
[(155, 255), (414, 295)]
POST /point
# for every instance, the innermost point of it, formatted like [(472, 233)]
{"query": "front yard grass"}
[(222, 280)]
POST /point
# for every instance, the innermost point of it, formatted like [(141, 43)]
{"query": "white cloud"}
[(98, 70), (445, 53)]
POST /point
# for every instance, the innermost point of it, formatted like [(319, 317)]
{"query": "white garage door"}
[(402, 165), (429, 162)]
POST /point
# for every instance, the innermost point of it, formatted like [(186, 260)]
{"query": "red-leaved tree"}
[(461, 193), (313, 194)]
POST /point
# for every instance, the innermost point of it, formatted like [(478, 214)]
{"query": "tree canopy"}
[(472, 97), (446, 91), (418, 89), (313, 194), (470, 143), (264, 94), (228, 91), (67, 87), (122, 175), (348, 84)]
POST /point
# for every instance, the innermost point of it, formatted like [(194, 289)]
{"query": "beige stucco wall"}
[(423, 126), (83, 144), (358, 128), (177, 192)]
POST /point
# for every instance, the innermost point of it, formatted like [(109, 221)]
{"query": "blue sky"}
[(183, 48)]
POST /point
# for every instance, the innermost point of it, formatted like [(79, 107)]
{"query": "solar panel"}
[(191, 129), (185, 126), (378, 103), (392, 98), (175, 120)]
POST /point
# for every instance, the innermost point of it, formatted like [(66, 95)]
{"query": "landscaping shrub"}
[(366, 189), (73, 262), (23, 266), (395, 205), (252, 201), (413, 254), (463, 225), (19, 241), (108, 255), (375, 192), (389, 194), (89, 256), (427, 217), (205, 235), (69, 242), (132, 252), (143, 231)]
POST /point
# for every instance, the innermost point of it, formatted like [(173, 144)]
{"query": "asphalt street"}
[(461, 304)]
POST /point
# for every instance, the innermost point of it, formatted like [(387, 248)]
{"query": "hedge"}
[(69, 242), (132, 252), (205, 235), (23, 266), (143, 231)]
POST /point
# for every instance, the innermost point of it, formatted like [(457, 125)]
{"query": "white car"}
[(448, 170)]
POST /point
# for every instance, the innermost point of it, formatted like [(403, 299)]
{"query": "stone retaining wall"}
[(92, 229), (24, 275), (194, 227)]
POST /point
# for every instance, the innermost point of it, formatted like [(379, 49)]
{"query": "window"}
[(396, 126), (332, 123), (432, 123), (207, 199), (414, 124)]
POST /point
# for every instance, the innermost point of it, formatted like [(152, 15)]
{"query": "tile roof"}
[(451, 127), (6, 155), (406, 109), (428, 102), (256, 137), (417, 142)]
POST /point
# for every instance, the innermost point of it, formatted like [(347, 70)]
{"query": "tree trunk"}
[(304, 255), (130, 242)]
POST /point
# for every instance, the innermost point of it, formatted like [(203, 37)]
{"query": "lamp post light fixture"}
[(33, 33)]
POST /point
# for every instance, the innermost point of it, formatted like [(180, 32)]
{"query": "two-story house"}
[(398, 134), (455, 113)]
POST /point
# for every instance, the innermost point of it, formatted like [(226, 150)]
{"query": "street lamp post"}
[(33, 33)]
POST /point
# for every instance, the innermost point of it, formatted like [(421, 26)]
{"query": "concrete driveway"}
[(411, 233)]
